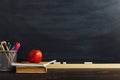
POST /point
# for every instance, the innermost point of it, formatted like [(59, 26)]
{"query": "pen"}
[(17, 46), (9, 46)]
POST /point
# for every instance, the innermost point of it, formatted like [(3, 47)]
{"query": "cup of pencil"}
[(7, 55), (6, 58)]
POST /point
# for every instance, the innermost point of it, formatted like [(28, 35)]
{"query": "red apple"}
[(34, 56)]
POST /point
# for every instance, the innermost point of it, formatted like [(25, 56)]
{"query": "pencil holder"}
[(6, 58)]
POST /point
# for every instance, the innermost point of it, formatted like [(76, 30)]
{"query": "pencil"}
[(3, 51), (5, 48)]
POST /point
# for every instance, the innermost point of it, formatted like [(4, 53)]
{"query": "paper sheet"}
[(32, 64)]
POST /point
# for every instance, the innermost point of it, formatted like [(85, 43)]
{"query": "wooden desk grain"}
[(67, 74)]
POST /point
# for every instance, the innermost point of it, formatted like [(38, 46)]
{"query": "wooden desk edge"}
[(83, 66)]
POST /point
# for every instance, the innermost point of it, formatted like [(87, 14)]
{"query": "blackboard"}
[(65, 30)]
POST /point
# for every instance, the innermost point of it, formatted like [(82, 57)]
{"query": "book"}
[(28, 69), (31, 67)]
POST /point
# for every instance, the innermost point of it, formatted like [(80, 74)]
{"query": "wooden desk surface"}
[(57, 73)]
